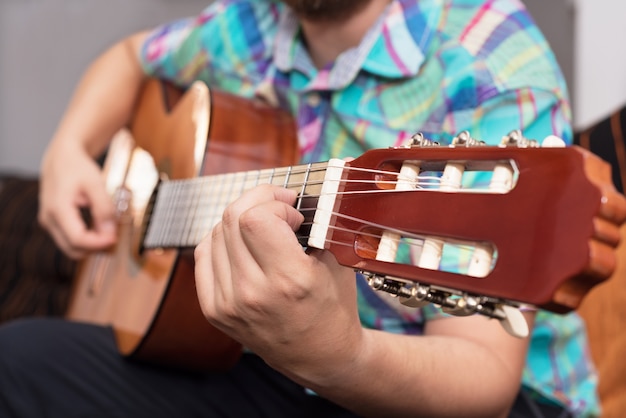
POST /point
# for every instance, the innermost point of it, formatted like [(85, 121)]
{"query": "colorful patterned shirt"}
[(434, 66)]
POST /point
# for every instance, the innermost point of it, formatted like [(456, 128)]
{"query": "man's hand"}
[(71, 180), (295, 309)]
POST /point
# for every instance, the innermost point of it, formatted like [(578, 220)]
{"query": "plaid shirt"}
[(434, 66)]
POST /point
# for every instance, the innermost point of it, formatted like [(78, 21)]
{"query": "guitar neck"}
[(184, 211)]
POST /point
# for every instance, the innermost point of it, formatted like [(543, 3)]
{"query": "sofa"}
[(35, 277)]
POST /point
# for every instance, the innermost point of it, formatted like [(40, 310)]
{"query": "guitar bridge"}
[(453, 302)]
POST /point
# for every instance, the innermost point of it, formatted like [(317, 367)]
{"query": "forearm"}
[(435, 376), (104, 98), (70, 179)]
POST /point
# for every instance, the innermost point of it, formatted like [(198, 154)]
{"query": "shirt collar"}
[(394, 47)]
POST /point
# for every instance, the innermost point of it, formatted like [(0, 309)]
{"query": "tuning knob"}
[(514, 322)]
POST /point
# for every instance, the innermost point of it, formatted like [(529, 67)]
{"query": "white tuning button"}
[(552, 141), (514, 322)]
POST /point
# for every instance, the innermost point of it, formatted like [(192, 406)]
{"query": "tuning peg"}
[(418, 297), (513, 321), (465, 306), (517, 139), (552, 141), (465, 139), (418, 140)]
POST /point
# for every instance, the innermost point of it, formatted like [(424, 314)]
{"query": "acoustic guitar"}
[(540, 232)]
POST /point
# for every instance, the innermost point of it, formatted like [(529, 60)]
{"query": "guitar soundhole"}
[(476, 259)]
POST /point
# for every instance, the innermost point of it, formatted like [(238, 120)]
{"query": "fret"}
[(287, 178), (165, 210), (250, 181), (173, 217), (230, 188), (316, 176), (270, 178), (279, 178), (257, 178), (303, 188), (154, 232), (214, 202), (195, 192), (186, 210), (203, 214)]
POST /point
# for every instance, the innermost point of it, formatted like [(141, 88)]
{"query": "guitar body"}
[(148, 297)]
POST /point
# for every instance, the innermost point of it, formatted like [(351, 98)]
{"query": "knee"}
[(22, 339)]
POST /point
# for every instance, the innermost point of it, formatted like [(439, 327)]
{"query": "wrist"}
[(340, 366)]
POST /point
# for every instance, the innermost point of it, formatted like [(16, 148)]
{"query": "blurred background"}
[(45, 45)]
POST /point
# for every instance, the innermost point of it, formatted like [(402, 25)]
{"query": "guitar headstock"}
[(475, 228)]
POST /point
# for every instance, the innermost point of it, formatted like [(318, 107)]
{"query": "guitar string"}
[(422, 180), (303, 185), (427, 180), (408, 237)]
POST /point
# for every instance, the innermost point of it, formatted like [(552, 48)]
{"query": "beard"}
[(325, 10)]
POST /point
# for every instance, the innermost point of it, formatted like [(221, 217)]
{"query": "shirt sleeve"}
[(174, 51), (227, 45)]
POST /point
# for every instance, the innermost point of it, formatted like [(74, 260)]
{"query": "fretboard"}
[(184, 211)]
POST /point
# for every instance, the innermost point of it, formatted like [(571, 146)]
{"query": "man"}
[(356, 74)]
